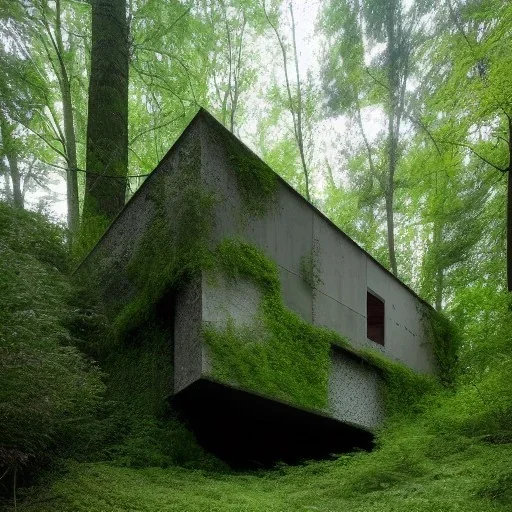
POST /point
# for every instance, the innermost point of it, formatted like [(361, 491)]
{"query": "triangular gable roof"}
[(203, 115)]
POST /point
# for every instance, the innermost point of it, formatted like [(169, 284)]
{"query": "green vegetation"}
[(309, 266), (445, 340), (134, 344), (169, 252), (290, 359), (283, 355), (398, 128), (140, 429), (49, 392), (442, 449), (404, 388), (413, 470), (257, 182), (89, 236), (447, 454)]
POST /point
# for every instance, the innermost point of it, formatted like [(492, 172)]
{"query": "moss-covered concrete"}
[(168, 238)]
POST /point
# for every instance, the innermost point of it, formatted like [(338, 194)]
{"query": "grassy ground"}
[(474, 478)]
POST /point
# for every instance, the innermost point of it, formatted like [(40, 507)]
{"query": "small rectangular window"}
[(374, 318)]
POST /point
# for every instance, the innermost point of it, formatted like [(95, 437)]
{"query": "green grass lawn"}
[(478, 478)]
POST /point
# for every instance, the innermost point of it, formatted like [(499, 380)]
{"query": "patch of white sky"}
[(49, 196), (331, 135)]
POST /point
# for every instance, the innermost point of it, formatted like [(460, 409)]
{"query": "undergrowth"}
[(49, 392), (384, 481), (445, 340)]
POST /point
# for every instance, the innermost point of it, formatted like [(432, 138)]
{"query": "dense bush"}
[(48, 390)]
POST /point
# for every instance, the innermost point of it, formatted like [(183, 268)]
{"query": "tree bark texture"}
[(509, 231), (7, 179), (107, 126), (12, 159)]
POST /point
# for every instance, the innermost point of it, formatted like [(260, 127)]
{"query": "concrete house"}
[(211, 198)]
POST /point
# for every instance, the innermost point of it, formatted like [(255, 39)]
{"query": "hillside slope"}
[(478, 478)]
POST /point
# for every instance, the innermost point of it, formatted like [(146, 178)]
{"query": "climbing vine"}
[(291, 359), (310, 270), (445, 341), (170, 252), (404, 387), (257, 182)]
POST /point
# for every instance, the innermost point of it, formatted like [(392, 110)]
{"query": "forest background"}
[(392, 117)]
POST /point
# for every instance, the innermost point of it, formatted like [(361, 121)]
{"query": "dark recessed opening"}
[(374, 318), (251, 431)]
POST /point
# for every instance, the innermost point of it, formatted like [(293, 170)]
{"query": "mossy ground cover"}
[(476, 478)]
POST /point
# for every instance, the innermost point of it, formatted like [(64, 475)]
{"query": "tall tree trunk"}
[(391, 224), (296, 112), (7, 180), (69, 132), (509, 229), (17, 193), (107, 126), (12, 159)]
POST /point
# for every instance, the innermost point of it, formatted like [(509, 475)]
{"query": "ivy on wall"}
[(291, 360)]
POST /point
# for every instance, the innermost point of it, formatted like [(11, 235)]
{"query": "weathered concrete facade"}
[(289, 231)]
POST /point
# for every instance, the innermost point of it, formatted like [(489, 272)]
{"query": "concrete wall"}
[(356, 391), (107, 266), (292, 229)]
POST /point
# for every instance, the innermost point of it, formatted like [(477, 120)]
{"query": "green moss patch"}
[(257, 182), (445, 340), (404, 387), (290, 359), (310, 270), (173, 249)]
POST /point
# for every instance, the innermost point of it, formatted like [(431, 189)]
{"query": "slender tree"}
[(52, 40), (11, 151), (354, 29), (294, 92), (473, 98)]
